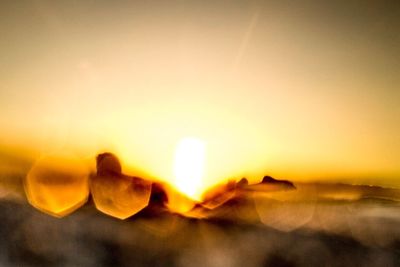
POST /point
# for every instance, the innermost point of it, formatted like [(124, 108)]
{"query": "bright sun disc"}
[(189, 166)]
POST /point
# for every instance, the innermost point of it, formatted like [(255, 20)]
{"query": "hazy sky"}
[(299, 90)]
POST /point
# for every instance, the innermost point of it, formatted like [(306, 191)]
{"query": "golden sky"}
[(302, 91)]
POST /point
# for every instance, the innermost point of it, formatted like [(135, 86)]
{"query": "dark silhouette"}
[(269, 180)]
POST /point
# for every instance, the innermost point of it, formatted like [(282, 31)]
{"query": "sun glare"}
[(189, 166)]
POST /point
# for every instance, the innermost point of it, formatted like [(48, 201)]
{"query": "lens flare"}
[(189, 167)]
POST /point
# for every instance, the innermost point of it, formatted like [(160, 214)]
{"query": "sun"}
[(189, 166)]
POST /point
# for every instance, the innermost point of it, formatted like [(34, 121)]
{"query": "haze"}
[(303, 91)]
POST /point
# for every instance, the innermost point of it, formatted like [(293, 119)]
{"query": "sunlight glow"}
[(189, 167)]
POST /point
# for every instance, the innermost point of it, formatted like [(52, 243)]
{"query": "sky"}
[(305, 90)]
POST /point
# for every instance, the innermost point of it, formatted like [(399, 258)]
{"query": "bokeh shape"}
[(57, 184), (115, 194)]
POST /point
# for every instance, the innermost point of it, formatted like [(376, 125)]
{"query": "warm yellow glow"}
[(189, 166), (57, 184), (325, 108)]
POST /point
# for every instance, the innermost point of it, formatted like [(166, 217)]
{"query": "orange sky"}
[(300, 91)]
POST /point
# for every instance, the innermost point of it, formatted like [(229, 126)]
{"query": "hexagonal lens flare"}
[(57, 184)]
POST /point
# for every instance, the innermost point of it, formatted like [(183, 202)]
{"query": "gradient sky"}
[(299, 90)]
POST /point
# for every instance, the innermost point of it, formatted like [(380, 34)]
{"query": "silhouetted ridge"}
[(269, 180), (243, 182)]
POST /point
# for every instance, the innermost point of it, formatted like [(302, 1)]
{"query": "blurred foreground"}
[(301, 227), (120, 220)]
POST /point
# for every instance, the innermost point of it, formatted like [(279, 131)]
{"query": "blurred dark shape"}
[(242, 183), (249, 225), (86, 238), (116, 194), (269, 184), (269, 180), (239, 209), (277, 260), (229, 202), (108, 164), (158, 201), (219, 194), (233, 201), (57, 184), (158, 194)]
